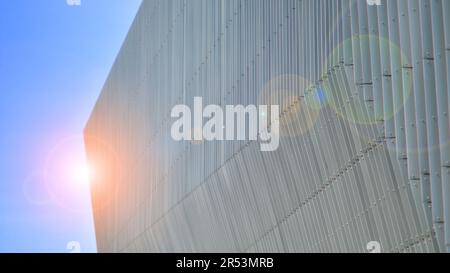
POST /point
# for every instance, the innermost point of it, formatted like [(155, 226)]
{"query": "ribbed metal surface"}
[(364, 150)]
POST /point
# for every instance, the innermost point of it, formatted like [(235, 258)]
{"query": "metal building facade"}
[(364, 151)]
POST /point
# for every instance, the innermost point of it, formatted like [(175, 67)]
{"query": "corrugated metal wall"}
[(364, 151)]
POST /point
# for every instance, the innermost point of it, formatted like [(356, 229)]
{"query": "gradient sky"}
[(54, 60)]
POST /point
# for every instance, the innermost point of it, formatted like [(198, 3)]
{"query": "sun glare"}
[(83, 173)]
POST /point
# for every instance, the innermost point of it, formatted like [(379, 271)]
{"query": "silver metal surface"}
[(364, 149)]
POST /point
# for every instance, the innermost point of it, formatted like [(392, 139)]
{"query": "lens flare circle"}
[(34, 189), (298, 109)]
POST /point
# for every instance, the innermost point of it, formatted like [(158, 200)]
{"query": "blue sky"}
[(54, 60)]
